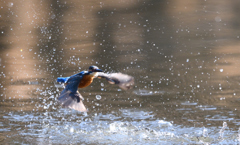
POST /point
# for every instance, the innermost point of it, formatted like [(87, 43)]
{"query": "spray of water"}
[(222, 130)]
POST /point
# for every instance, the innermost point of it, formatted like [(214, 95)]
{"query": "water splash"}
[(143, 92), (205, 132), (239, 134), (222, 130), (189, 103), (77, 128)]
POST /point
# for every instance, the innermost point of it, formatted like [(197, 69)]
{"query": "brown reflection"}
[(19, 60), (29, 50), (131, 36)]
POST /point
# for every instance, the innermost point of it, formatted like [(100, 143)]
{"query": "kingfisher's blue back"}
[(65, 79), (62, 79)]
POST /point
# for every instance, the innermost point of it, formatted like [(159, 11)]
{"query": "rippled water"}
[(184, 57), (67, 127), (110, 121)]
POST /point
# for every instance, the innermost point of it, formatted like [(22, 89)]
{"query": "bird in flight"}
[(71, 98)]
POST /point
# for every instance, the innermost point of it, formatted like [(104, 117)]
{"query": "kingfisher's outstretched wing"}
[(124, 81), (70, 97), (72, 100)]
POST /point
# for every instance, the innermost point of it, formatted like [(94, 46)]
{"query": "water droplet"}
[(71, 129), (10, 4), (98, 97), (218, 19), (53, 16)]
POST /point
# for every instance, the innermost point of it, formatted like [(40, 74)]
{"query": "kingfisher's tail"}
[(62, 79)]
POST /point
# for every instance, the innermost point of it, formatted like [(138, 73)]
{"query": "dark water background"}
[(184, 56)]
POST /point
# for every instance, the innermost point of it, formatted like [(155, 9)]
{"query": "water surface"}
[(184, 57)]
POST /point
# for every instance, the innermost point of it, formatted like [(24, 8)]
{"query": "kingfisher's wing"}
[(124, 81), (70, 97), (73, 82), (72, 100)]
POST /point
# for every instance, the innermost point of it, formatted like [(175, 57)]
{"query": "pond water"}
[(184, 56)]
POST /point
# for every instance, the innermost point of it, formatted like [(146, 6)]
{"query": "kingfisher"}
[(70, 96)]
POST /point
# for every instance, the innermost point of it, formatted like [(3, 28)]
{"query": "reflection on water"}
[(184, 57)]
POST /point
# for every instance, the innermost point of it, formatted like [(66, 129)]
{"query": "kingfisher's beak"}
[(97, 70)]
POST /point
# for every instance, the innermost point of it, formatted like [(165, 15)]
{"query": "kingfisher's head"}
[(94, 69)]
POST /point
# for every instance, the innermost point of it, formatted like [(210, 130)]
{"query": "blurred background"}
[(184, 56)]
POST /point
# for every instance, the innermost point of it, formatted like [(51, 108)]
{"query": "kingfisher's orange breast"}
[(85, 81)]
